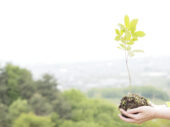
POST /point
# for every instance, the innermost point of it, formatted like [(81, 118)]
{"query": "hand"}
[(138, 115)]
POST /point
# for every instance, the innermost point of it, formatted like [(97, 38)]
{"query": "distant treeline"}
[(26, 102), (149, 92)]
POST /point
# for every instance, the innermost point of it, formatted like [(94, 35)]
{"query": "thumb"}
[(135, 110)]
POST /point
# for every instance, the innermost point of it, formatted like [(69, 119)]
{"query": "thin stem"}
[(129, 76)]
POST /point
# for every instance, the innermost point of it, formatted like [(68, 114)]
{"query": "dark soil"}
[(133, 101)]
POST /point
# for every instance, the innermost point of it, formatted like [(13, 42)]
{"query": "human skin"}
[(145, 113)]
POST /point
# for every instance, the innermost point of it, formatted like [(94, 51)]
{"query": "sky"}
[(66, 31)]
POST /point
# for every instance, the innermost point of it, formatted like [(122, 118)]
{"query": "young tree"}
[(127, 36)]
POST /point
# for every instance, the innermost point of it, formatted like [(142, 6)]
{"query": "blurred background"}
[(60, 66)]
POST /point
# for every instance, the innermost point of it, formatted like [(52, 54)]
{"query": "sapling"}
[(127, 36)]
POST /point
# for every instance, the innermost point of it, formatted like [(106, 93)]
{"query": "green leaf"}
[(133, 24), (117, 38), (117, 31), (127, 35), (122, 27), (126, 20), (121, 32), (138, 50), (123, 40), (123, 46), (130, 42), (140, 34), (134, 39)]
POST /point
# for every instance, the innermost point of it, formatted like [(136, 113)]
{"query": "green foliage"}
[(55, 119), (146, 91), (89, 109), (62, 107), (79, 124), (151, 92), (4, 119), (126, 20), (38, 103), (139, 34), (14, 83), (47, 86), (18, 107), (31, 120), (74, 95), (127, 35)]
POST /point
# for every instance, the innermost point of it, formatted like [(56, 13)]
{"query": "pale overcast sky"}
[(55, 31)]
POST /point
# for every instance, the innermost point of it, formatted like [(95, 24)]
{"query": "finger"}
[(127, 119), (133, 111), (127, 114)]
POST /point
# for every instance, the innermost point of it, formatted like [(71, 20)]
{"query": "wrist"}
[(161, 112), (156, 113)]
